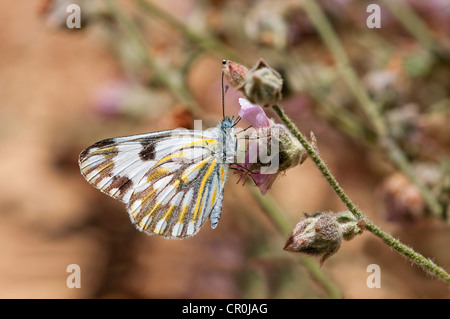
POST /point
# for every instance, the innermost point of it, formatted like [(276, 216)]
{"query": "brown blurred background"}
[(62, 90)]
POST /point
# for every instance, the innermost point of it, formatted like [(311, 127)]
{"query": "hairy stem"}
[(417, 258)]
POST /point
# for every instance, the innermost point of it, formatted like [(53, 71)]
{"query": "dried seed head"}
[(292, 152)]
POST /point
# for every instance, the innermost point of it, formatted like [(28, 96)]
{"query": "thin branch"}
[(417, 258), (342, 118)]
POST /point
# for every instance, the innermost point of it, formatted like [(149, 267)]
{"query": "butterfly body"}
[(171, 181)]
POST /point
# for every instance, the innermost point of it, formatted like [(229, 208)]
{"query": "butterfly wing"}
[(171, 181)]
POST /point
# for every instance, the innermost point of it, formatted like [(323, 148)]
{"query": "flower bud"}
[(321, 234), (350, 226), (280, 145), (292, 152), (263, 85), (235, 73)]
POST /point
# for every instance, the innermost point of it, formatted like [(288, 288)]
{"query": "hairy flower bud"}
[(321, 234), (281, 147), (235, 73), (261, 84)]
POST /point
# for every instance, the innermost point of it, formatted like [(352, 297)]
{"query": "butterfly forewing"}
[(115, 165), (171, 181)]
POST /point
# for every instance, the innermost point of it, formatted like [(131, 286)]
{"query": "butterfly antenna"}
[(243, 130), (223, 94), (238, 119)]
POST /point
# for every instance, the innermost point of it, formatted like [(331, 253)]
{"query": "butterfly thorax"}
[(228, 139)]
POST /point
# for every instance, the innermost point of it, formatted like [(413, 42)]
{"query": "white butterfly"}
[(170, 181)]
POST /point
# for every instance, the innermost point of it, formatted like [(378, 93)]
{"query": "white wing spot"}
[(91, 160), (188, 198), (162, 182), (176, 199), (160, 226), (191, 228), (166, 195), (92, 174), (145, 221), (177, 229), (113, 191)]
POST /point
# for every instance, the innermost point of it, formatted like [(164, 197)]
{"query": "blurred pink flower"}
[(110, 98)]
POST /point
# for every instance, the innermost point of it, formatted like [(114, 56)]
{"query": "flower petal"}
[(254, 114), (263, 181)]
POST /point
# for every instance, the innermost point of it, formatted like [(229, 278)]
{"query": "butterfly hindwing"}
[(176, 197)]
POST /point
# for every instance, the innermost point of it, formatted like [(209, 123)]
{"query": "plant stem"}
[(425, 263), (411, 22), (280, 222), (330, 38), (340, 117)]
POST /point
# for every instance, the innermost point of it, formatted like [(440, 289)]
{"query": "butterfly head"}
[(229, 122)]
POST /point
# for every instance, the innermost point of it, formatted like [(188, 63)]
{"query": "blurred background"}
[(142, 66)]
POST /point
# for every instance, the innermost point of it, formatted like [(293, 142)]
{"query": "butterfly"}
[(170, 181)]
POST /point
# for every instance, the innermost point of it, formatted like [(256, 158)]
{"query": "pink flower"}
[(264, 181), (255, 115), (275, 141)]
